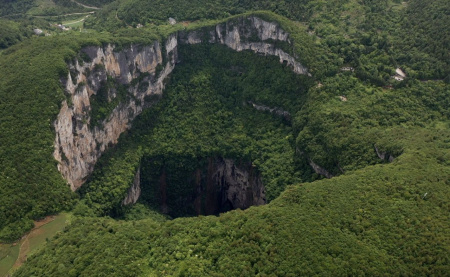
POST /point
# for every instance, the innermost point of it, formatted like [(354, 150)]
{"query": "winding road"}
[(67, 14)]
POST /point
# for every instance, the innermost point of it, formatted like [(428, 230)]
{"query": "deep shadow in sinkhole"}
[(186, 186)]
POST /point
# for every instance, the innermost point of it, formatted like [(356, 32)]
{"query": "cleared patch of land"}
[(14, 255), (8, 256), (77, 23)]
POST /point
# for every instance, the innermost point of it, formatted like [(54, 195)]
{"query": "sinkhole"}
[(220, 137)]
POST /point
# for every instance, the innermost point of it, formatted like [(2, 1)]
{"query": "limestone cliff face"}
[(237, 186), (251, 33), (78, 144), (80, 141)]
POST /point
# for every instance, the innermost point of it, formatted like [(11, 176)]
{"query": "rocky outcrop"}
[(319, 170), (383, 155), (277, 111), (134, 192), (81, 140), (233, 186), (79, 144), (251, 33)]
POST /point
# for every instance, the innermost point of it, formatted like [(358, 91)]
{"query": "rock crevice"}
[(276, 111), (320, 170), (233, 186), (385, 156)]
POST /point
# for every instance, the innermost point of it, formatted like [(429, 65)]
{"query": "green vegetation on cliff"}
[(31, 186), (24, 8), (11, 33)]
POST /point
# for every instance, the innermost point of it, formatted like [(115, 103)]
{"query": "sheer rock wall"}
[(78, 145)]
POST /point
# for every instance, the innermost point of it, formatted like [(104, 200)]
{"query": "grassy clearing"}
[(75, 24), (39, 236), (8, 256)]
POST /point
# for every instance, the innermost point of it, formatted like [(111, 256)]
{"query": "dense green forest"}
[(11, 33), (423, 41), (31, 96), (28, 104), (385, 143), (11, 7)]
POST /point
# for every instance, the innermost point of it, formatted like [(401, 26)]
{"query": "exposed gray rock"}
[(172, 21), (250, 33), (277, 111), (319, 170), (383, 155), (134, 192), (37, 31), (218, 186), (238, 186), (77, 145)]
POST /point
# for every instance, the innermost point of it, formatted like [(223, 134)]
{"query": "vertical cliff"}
[(79, 140), (248, 33), (235, 186)]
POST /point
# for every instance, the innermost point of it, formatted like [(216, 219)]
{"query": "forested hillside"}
[(95, 3), (10, 7), (353, 155), (11, 33)]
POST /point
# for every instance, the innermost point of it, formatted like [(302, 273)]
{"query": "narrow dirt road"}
[(67, 14)]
